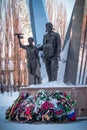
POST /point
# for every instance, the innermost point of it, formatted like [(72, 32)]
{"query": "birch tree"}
[(58, 16)]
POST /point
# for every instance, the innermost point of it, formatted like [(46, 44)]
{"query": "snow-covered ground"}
[(7, 99), (55, 84)]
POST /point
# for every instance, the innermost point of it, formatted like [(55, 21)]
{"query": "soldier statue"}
[(32, 57), (51, 51)]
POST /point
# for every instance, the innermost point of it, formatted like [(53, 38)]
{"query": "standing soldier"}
[(32, 57), (51, 51)]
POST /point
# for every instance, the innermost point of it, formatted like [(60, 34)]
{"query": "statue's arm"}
[(44, 41), (21, 45)]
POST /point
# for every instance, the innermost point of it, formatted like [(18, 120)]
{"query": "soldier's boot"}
[(34, 79), (38, 79), (54, 76), (49, 74), (54, 68)]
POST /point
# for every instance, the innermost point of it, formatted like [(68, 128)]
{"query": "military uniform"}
[(51, 54), (51, 51)]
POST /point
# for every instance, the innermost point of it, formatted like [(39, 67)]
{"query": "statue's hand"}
[(19, 35)]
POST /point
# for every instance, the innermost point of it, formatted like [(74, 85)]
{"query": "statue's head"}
[(49, 26), (30, 40)]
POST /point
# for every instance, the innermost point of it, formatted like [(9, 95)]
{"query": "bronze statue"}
[(51, 50), (32, 56)]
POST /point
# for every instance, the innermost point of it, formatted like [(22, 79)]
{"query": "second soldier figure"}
[(51, 50)]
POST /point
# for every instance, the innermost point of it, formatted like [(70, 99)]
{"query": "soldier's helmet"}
[(30, 39), (49, 24)]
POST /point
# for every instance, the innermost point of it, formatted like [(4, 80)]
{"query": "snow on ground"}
[(52, 85), (7, 99)]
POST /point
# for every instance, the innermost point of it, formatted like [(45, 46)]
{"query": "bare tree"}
[(10, 47), (58, 16)]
